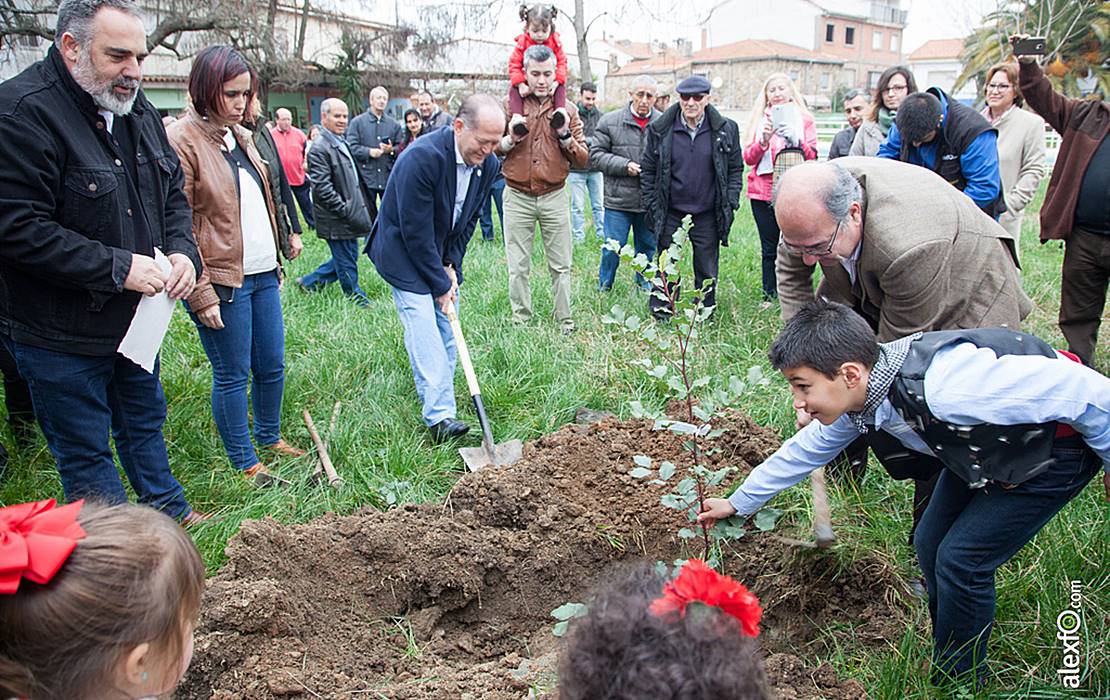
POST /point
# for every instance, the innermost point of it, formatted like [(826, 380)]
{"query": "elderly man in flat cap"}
[(692, 166)]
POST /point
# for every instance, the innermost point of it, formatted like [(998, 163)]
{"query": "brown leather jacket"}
[(213, 193), (538, 165)]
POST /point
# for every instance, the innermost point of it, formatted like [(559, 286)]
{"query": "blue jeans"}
[(496, 194), (342, 267), (966, 534), (250, 346), (80, 399), (431, 348), (303, 193), (617, 224), (579, 183)]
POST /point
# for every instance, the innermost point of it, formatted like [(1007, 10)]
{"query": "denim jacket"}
[(66, 231)]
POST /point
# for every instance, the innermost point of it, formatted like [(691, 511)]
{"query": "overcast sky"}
[(928, 19)]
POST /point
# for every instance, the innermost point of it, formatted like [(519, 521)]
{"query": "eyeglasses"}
[(695, 98), (998, 87), (814, 251), (891, 89)]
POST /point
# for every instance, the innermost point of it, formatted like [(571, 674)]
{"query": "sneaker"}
[(261, 477), (567, 327), (518, 126), (195, 518), (559, 119), (281, 448)]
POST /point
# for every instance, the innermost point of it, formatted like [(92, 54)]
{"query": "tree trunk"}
[(299, 53), (580, 30)]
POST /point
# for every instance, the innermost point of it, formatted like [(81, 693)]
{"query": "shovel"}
[(824, 537), (489, 454)]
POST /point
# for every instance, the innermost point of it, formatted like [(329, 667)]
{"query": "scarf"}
[(891, 357), (886, 118)]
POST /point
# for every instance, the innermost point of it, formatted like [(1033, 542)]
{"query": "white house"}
[(936, 63)]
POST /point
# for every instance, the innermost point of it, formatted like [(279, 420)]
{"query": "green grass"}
[(533, 379)]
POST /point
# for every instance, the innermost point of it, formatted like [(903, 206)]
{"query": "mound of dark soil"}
[(452, 601)]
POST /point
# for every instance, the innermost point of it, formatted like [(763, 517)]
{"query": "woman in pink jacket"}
[(772, 129)]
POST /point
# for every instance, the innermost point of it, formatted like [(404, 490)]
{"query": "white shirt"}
[(109, 118), (850, 263), (259, 248), (462, 183), (964, 385)]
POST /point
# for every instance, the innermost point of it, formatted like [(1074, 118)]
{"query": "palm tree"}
[(1077, 41)]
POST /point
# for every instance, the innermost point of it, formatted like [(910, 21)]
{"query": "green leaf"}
[(639, 473), (618, 314), (701, 413), (632, 323), (569, 611), (670, 500), (687, 534), (688, 487), (755, 374), (767, 518), (666, 470), (680, 428), (658, 371), (637, 409), (700, 382), (735, 386), (642, 460), (560, 628)]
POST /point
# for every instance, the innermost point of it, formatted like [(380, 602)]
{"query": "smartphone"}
[(1033, 46)]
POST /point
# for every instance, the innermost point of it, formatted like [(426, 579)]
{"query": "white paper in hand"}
[(148, 327)]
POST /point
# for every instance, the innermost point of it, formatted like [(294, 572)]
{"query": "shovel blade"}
[(502, 455)]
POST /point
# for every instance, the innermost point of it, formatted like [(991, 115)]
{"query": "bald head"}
[(819, 209), (479, 127), (283, 119)]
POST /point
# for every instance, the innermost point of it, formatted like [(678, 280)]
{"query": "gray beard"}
[(103, 91)]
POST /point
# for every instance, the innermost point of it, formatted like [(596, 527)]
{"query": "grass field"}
[(533, 379)]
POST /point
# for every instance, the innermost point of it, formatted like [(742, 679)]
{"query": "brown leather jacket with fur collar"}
[(213, 192), (538, 165)]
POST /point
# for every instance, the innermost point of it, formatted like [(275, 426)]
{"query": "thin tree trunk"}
[(580, 32), (301, 31)]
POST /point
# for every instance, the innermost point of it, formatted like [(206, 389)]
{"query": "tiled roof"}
[(936, 49)]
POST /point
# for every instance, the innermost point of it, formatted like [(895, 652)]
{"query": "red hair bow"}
[(35, 540), (699, 583)]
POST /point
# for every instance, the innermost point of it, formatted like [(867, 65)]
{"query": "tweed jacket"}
[(929, 258)]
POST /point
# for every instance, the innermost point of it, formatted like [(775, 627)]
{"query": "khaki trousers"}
[(522, 213)]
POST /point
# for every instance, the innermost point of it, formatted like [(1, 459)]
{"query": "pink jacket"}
[(759, 186)]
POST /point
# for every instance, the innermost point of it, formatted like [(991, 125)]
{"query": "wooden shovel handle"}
[(822, 522)]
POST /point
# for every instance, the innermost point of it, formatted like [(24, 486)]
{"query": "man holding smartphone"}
[(372, 137), (1077, 204)]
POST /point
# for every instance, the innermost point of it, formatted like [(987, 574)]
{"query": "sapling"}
[(673, 345)]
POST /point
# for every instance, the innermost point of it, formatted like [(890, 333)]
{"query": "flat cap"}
[(693, 85)]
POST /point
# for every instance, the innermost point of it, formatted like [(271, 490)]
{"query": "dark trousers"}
[(78, 401), (898, 462), (342, 267), (768, 227), (303, 193), (17, 395), (372, 203), (966, 534), (707, 252), (516, 102), (1086, 275), (485, 219)]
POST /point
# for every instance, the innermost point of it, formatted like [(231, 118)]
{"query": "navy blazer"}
[(412, 238)]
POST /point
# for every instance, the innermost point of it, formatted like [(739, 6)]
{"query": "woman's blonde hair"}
[(755, 119), (136, 578)]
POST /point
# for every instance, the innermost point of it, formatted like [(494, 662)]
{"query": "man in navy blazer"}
[(431, 203)]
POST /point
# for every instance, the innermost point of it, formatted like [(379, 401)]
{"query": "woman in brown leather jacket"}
[(236, 304)]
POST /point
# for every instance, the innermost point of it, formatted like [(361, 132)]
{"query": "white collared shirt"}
[(964, 385), (851, 262), (462, 183)]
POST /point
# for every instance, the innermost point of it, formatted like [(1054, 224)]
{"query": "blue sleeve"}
[(979, 163), (415, 188), (811, 447), (892, 147)]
